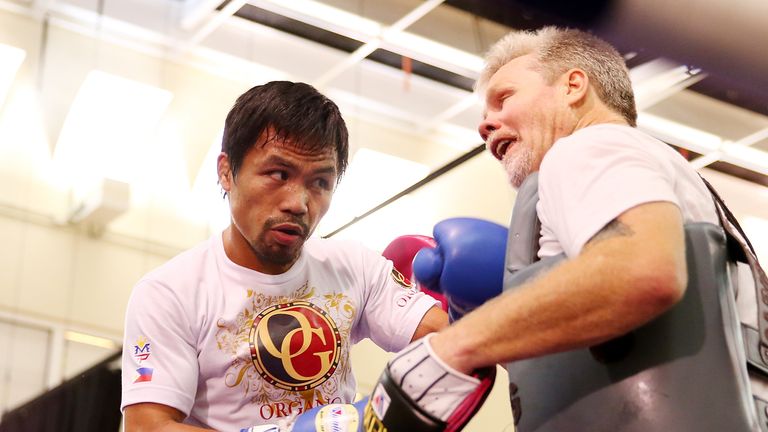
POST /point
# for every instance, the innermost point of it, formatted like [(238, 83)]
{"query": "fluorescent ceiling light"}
[(11, 59), (651, 70), (195, 11), (371, 178), (659, 79), (107, 130), (351, 102), (705, 143), (679, 134), (748, 157), (323, 16), (740, 153), (234, 68), (435, 53), (365, 30), (87, 339), (437, 130)]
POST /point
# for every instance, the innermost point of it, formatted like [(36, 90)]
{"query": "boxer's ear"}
[(224, 171)]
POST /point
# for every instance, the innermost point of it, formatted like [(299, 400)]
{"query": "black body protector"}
[(684, 371)]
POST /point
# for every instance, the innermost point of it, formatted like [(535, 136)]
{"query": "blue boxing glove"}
[(467, 265), (333, 417)]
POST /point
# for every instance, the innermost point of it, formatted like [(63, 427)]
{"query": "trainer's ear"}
[(225, 172), (577, 86)]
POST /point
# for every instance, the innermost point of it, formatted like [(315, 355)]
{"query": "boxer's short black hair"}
[(286, 111)]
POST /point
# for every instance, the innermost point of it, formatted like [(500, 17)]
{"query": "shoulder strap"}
[(741, 249)]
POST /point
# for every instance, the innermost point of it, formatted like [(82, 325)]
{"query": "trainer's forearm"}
[(579, 303)]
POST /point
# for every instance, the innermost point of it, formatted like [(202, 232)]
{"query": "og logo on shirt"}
[(295, 346)]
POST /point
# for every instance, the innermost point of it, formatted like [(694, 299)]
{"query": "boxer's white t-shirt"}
[(231, 347)]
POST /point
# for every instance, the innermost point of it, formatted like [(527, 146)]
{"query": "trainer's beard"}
[(517, 163)]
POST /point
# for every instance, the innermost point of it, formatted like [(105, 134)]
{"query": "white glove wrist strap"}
[(429, 381)]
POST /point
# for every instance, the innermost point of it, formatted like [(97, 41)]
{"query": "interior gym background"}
[(111, 114)]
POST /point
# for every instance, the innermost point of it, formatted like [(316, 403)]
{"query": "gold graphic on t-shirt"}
[(270, 401), (295, 346), (400, 279), (340, 303)]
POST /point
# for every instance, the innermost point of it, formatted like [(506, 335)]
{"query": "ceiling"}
[(409, 65), (728, 98), (730, 89)]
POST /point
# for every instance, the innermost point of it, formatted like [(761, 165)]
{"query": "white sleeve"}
[(584, 185), (392, 310), (159, 350)]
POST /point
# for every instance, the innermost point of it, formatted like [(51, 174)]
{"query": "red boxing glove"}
[(401, 252)]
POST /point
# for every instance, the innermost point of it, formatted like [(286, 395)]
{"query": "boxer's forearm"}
[(151, 417), (434, 320)]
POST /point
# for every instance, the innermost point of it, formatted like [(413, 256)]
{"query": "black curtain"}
[(89, 402)]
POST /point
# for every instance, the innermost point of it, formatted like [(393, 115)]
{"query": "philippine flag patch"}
[(380, 401), (145, 374)]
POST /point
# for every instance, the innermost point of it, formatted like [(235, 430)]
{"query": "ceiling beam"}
[(40, 7), (371, 46), (195, 11), (213, 23), (659, 79), (450, 112), (365, 30), (726, 150)]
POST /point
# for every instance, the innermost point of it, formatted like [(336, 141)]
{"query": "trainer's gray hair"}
[(559, 50)]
